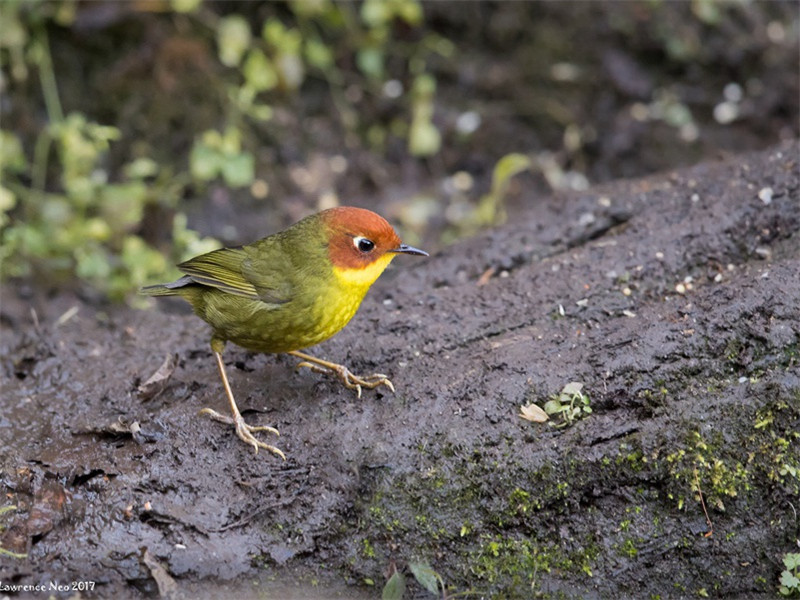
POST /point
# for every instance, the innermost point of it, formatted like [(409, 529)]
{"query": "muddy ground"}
[(674, 299)]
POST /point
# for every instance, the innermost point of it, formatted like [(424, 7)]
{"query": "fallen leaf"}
[(167, 587), (120, 427), (532, 412), (158, 380)]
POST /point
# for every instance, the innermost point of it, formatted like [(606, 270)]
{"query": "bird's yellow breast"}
[(352, 285)]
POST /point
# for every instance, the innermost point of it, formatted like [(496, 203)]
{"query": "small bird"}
[(289, 291)]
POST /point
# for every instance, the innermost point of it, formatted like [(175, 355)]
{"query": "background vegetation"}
[(137, 134)]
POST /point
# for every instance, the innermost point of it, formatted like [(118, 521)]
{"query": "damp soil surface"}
[(674, 300)]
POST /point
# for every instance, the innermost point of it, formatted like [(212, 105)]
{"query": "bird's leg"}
[(243, 430), (350, 380)]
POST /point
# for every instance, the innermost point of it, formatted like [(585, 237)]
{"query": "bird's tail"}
[(166, 289), (157, 290)]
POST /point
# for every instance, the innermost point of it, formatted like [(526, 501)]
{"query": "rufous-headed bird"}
[(289, 291)]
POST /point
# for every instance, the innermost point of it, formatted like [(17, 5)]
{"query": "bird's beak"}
[(406, 249)]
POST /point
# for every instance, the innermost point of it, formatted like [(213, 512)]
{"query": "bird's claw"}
[(245, 431), (349, 379)]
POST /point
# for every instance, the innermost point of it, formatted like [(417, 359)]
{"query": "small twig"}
[(71, 312), (487, 275), (793, 510), (710, 531)]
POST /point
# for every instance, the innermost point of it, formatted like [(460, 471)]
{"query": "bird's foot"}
[(245, 431), (343, 374)]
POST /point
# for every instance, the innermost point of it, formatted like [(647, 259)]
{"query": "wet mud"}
[(674, 300)]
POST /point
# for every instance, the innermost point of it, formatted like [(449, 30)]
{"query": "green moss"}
[(768, 454), (514, 561), (628, 548), (492, 520), (633, 458), (367, 550), (520, 503), (704, 463), (733, 349)]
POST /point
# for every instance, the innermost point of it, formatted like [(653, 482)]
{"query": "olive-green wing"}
[(270, 270), (221, 269), (243, 272)]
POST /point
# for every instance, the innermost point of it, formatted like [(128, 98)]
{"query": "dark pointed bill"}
[(406, 249)]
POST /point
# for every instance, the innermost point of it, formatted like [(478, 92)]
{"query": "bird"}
[(286, 292)]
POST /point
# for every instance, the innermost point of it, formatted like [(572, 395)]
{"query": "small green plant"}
[(491, 209), (571, 404), (469, 216), (790, 576)]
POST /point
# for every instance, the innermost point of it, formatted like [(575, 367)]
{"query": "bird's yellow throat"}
[(365, 276)]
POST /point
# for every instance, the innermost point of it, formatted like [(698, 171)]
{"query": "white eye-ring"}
[(362, 244)]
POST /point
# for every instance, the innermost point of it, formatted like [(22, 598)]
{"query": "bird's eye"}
[(363, 244)]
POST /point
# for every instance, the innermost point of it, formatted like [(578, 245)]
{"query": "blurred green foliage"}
[(67, 211), (147, 109), (322, 39), (62, 214), (87, 227)]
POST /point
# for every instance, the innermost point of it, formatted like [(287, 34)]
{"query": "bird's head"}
[(361, 244)]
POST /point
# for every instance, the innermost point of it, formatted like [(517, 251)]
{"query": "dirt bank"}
[(674, 300)]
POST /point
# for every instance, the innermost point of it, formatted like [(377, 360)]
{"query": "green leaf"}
[(185, 6), (231, 141), (318, 54), (506, 168), (233, 39), (370, 62), (410, 11), (789, 580), (259, 71), (92, 262), (273, 32), (424, 138), (141, 168), (394, 588), (204, 162), (12, 157), (792, 560), (424, 86), (239, 170), (122, 205), (261, 112), (425, 576), (375, 13), (552, 407)]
